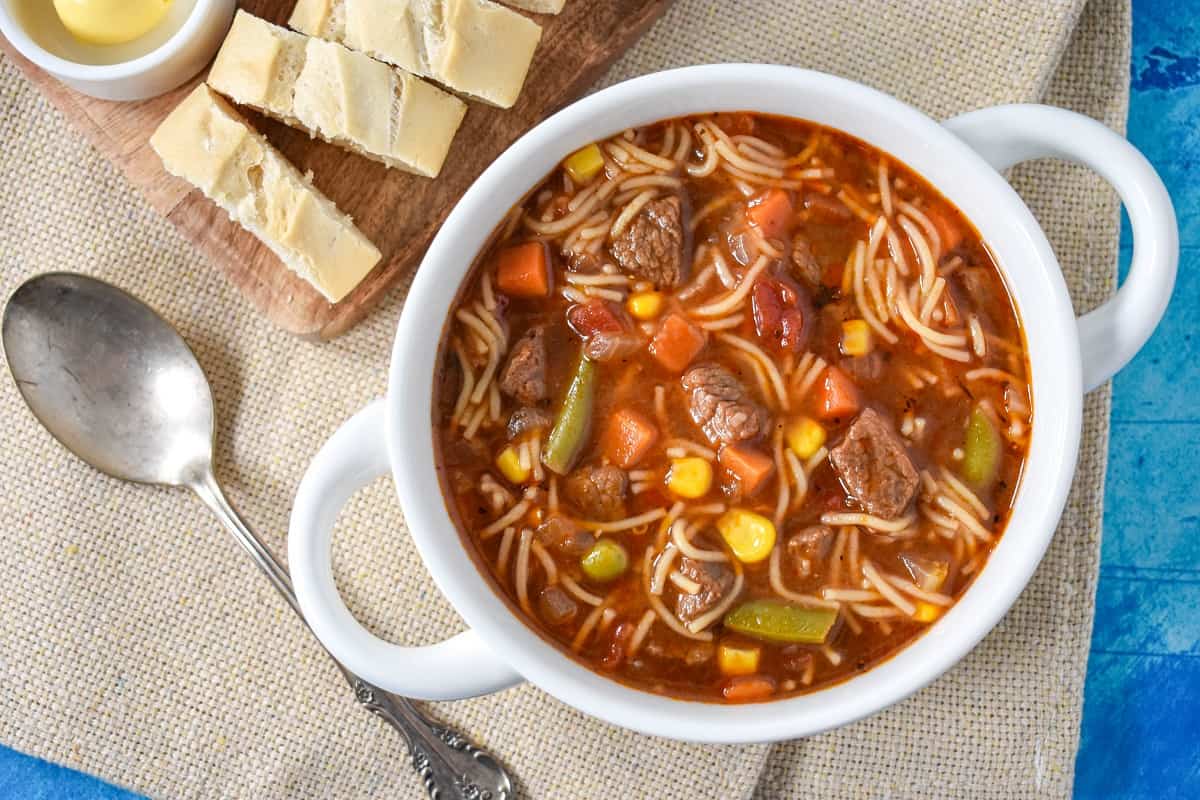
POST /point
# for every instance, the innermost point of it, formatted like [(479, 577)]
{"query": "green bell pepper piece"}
[(574, 421), (981, 450), (777, 621)]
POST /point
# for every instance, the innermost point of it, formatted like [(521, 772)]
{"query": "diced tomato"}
[(771, 213), (677, 342), (749, 465), (615, 653), (778, 315), (837, 396), (523, 270), (606, 330), (628, 438), (594, 316)]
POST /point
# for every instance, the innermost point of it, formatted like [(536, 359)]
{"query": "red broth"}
[(733, 407)]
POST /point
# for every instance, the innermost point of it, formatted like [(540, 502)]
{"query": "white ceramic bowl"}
[(172, 64), (961, 159)]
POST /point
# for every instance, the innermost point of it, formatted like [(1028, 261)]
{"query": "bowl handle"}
[(462, 666), (1113, 333)]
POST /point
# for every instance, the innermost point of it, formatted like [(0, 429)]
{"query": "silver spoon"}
[(119, 388)]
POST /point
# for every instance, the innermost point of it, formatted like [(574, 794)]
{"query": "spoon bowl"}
[(110, 379), (118, 387)]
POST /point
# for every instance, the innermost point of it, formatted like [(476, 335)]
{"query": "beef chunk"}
[(651, 246), (795, 659), (721, 406), (561, 535), (979, 286), (874, 467), (527, 419), (864, 369), (975, 289), (825, 208), (808, 545), (599, 492), (583, 262), (459, 452), (827, 325), (524, 376), (715, 580), (556, 606), (804, 264)]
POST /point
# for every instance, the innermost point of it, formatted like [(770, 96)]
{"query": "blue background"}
[(1141, 711)]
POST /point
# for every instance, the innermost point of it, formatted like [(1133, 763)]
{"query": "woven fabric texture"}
[(140, 644)]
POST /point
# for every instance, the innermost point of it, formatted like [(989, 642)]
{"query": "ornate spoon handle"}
[(450, 766)]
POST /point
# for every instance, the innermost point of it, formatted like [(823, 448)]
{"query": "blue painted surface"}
[(33, 779), (1141, 712), (1141, 720)]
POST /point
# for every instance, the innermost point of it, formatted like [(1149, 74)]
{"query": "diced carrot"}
[(628, 438), (949, 230), (749, 465), (837, 396), (770, 213), (676, 343), (747, 688), (523, 270)]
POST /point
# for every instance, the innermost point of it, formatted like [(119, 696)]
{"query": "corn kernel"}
[(856, 337), (750, 536), (736, 659), (509, 464), (690, 477), (804, 436), (584, 164), (645, 305), (926, 612)]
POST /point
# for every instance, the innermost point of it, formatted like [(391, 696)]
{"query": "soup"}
[(732, 407)]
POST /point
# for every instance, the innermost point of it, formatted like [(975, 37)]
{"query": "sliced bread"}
[(342, 96), (207, 143), (475, 47), (538, 6)]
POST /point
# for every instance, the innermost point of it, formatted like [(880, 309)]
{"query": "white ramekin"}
[(172, 64), (961, 158)]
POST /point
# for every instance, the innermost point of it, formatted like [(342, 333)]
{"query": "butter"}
[(110, 21), (41, 21)]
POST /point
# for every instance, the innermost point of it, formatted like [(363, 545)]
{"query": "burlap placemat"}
[(141, 645)]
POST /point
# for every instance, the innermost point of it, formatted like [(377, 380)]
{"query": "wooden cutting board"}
[(400, 213)]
